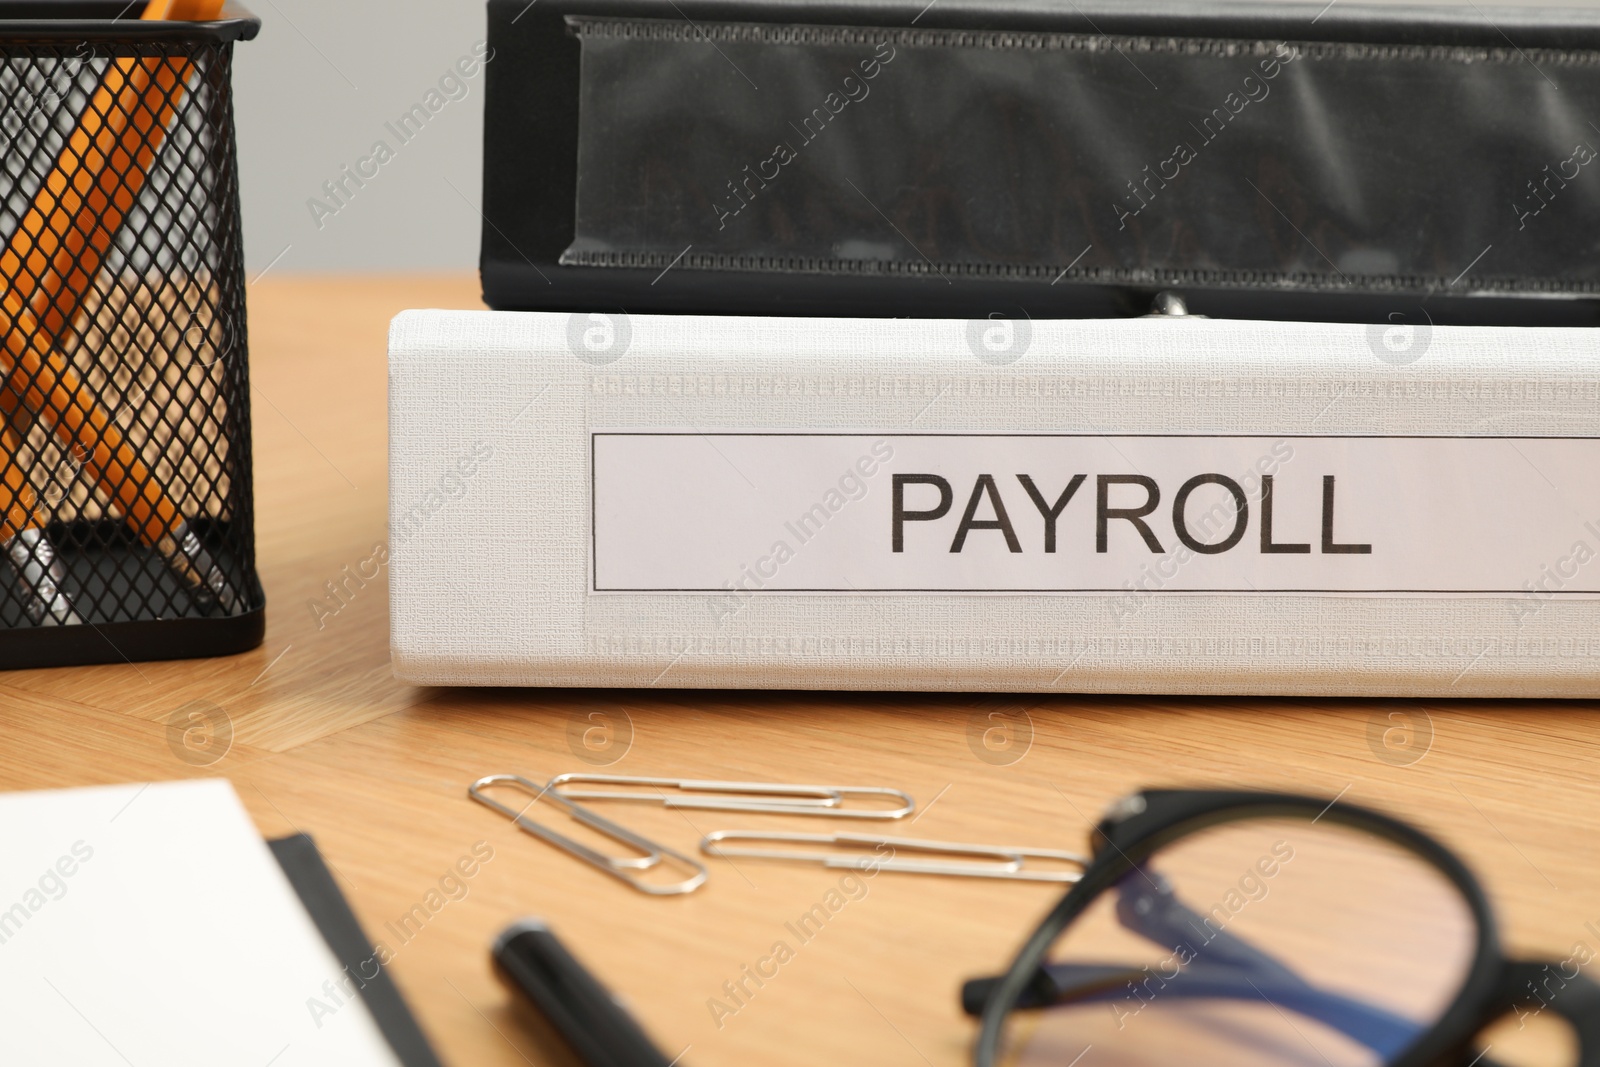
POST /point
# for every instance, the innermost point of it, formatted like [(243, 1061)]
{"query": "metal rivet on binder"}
[(1169, 303), (1004, 861), (761, 798), (624, 868)]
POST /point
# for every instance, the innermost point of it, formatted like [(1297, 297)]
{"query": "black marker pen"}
[(582, 1012)]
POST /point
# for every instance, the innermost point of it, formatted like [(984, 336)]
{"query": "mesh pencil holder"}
[(126, 520)]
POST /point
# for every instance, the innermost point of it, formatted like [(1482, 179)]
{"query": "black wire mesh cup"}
[(126, 519)]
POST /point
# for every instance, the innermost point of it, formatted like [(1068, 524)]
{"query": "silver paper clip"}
[(759, 798), (623, 868), (1003, 861)]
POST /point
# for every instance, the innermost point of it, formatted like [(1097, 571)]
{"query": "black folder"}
[(309, 874), (981, 157)]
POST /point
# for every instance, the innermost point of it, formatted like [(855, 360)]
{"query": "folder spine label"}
[(744, 514)]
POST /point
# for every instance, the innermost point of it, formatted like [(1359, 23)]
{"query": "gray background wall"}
[(314, 92)]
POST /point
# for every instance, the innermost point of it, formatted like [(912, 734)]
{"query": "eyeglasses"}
[(1235, 929)]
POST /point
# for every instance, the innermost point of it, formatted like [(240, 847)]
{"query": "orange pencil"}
[(62, 241), (22, 537), (58, 245), (51, 388)]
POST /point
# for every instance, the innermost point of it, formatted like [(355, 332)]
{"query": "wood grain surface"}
[(316, 735)]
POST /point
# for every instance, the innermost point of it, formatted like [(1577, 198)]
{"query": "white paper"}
[(150, 925)]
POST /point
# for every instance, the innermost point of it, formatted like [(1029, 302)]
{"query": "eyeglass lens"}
[(1274, 942)]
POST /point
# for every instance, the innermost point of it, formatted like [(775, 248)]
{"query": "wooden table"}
[(326, 741)]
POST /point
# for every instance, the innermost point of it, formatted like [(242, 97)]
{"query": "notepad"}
[(150, 924)]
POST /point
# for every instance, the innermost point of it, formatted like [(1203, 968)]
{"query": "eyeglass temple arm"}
[(1091, 983), (1231, 968), (1051, 985), (1147, 906)]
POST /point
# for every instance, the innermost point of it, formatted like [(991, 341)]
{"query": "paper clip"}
[(623, 868), (1004, 861), (761, 798)]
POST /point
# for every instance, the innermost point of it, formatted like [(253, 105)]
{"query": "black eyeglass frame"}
[(1139, 825)]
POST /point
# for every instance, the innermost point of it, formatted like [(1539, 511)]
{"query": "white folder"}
[(615, 500)]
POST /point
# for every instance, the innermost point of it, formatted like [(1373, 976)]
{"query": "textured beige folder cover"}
[(492, 448)]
